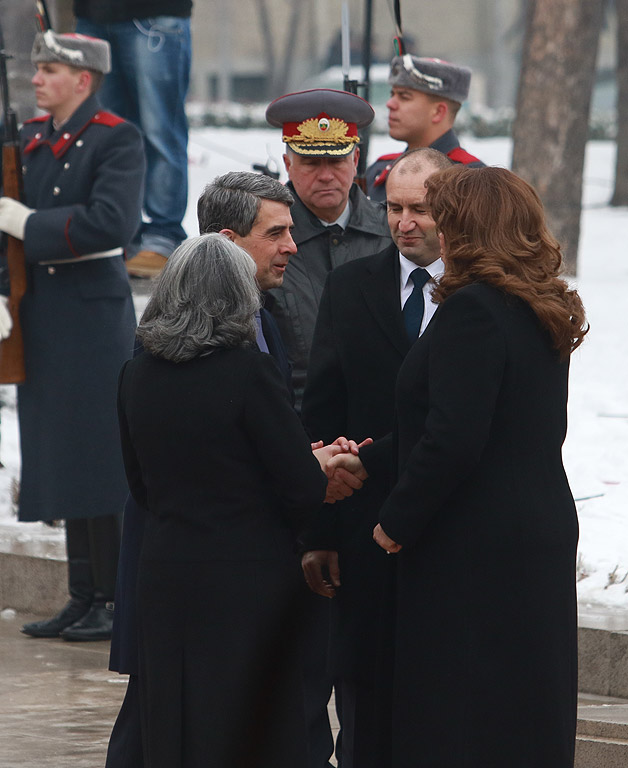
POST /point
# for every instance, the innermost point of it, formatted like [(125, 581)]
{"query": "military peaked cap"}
[(320, 121)]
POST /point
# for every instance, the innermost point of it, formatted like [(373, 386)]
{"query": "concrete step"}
[(603, 651), (602, 738)]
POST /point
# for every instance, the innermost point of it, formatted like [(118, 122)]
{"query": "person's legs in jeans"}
[(148, 85)]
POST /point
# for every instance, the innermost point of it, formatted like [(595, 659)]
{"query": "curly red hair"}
[(494, 228)]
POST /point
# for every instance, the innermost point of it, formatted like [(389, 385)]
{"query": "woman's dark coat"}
[(215, 451), (485, 664)]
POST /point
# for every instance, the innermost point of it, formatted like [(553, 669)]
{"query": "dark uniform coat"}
[(85, 183), (295, 305), (215, 452), (448, 144), (486, 662)]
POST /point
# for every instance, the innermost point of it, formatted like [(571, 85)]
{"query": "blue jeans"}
[(147, 85)]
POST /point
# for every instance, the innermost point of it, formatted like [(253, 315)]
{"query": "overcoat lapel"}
[(378, 286)]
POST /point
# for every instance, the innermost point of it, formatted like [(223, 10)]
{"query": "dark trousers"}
[(92, 545), (125, 743), (318, 679), (367, 723)]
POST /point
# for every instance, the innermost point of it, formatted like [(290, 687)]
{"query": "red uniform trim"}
[(460, 155), (66, 232), (392, 156), (106, 118), (40, 119), (383, 175), (63, 144)]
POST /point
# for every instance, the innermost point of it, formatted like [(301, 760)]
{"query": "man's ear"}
[(84, 82), (286, 162), (440, 112), (229, 233)]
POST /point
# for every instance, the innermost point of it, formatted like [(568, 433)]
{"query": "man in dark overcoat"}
[(360, 341), (334, 223), (426, 95), (255, 212), (83, 176)]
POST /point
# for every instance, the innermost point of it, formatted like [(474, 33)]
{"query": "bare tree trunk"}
[(269, 44), (551, 127), (282, 74), (620, 195)]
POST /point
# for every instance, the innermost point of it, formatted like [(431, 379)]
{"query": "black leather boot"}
[(95, 625), (73, 611)]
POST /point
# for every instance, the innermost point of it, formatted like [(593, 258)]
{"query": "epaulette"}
[(460, 155), (106, 118), (383, 175), (392, 156)]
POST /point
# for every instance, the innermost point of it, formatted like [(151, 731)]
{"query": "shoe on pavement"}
[(146, 264), (71, 613), (95, 625)]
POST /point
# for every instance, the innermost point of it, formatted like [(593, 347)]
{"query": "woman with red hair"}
[(482, 519)]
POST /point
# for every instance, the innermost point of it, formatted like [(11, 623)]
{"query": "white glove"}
[(13, 215), (6, 321)]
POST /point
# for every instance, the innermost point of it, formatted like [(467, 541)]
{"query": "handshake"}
[(340, 462)]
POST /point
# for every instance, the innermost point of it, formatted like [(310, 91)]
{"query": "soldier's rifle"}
[(41, 13), (352, 85), (398, 39), (12, 369)]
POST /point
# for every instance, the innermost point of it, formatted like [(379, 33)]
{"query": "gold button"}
[(51, 270)]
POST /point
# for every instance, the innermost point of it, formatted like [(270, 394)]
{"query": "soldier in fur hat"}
[(83, 176), (425, 97)]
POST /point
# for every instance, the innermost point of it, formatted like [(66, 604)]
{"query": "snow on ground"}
[(596, 450)]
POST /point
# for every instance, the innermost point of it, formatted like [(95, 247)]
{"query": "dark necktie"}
[(414, 307)]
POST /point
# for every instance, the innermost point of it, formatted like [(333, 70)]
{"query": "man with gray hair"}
[(425, 97), (371, 312), (254, 212)]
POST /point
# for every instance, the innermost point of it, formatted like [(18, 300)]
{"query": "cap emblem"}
[(322, 129)]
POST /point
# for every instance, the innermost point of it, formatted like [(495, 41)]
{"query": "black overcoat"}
[(358, 347), (215, 451), (485, 663), (123, 655), (85, 183)]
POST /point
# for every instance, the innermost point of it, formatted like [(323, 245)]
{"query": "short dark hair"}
[(232, 201)]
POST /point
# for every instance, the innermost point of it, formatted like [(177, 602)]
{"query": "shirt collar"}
[(435, 269)]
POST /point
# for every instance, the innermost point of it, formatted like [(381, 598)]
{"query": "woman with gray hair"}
[(215, 452)]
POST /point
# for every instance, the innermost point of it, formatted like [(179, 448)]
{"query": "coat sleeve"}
[(110, 215), (131, 462), (282, 443), (325, 400), (467, 357)]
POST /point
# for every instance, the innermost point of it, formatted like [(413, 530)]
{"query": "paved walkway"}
[(58, 701)]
